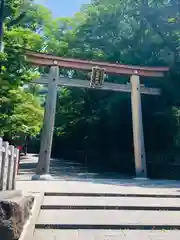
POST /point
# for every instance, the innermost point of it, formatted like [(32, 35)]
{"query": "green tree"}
[(20, 113)]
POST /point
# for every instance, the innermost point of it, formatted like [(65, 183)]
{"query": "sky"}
[(63, 8)]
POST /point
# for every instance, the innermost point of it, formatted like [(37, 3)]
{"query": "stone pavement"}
[(61, 169), (106, 235), (105, 209)]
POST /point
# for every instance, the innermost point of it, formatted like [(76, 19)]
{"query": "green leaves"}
[(20, 113)]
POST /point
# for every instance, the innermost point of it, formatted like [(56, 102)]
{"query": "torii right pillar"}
[(138, 134)]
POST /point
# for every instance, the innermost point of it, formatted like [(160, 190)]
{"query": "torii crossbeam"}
[(41, 59), (54, 80)]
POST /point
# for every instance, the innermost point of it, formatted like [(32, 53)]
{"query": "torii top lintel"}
[(42, 59)]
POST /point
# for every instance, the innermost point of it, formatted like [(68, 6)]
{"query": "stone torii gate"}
[(54, 80)]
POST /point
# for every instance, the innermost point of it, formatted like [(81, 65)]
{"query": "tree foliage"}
[(20, 112)]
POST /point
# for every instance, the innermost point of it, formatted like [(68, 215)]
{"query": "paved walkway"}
[(61, 169), (104, 209)]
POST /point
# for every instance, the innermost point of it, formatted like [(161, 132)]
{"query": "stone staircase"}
[(108, 216)]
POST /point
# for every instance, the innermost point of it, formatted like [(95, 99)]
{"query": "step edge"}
[(60, 194), (107, 227), (110, 207)]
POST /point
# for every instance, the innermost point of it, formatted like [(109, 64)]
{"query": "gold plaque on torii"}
[(97, 77)]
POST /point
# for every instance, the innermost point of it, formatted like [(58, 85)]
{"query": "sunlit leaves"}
[(20, 113)]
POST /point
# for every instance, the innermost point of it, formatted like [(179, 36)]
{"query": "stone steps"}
[(108, 216)]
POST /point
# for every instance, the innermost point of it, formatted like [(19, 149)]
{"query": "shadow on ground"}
[(72, 171)]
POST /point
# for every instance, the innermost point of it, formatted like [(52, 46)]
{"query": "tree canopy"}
[(20, 112)]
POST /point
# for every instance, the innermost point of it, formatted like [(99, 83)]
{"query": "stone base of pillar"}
[(45, 177), (141, 178)]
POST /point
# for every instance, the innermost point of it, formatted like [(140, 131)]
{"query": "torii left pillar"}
[(138, 134), (42, 171)]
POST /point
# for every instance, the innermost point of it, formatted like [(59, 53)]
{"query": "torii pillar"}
[(42, 171), (138, 134)]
